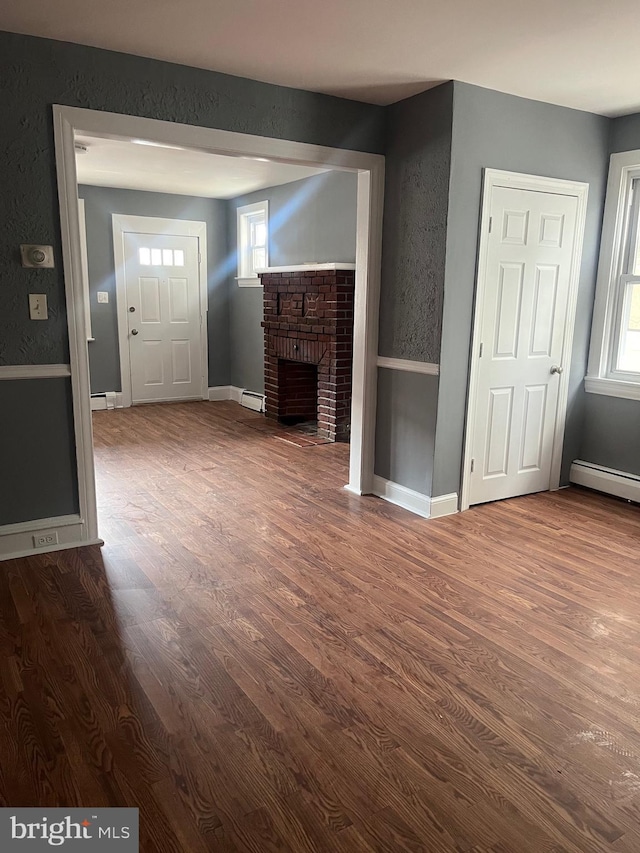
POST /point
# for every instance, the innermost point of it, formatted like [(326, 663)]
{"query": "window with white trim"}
[(253, 242), (614, 358)]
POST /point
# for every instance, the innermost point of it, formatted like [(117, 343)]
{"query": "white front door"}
[(522, 327), (164, 321)]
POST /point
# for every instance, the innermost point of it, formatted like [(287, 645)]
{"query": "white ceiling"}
[(135, 166), (579, 53)]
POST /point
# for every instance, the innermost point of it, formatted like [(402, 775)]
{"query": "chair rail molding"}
[(34, 371), (408, 365)]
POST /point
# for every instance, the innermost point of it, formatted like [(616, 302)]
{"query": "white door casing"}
[(163, 341), (525, 306)]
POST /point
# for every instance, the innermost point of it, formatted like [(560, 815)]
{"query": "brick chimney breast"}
[(308, 321)]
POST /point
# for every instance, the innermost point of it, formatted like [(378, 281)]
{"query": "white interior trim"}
[(18, 540), (612, 387), (230, 392), (399, 495), (444, 505), (85, 268), (220, 392), (325, 265), (249, 282), (608, 480), (225, 392), (243, 213), (365, 328), (34, 371), (496, 178), (108, 400), (39, 524), (76, 319), (622, 169), (31, 551), (408, 366), (370, 170), (125, 224)]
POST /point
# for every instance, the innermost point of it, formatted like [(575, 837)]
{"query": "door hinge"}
[(473, 465), (481, 348), (490, 223)]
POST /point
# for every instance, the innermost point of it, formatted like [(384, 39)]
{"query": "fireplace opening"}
[(298, 398)]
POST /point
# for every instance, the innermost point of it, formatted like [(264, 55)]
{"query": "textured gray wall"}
[(415, 224), (36, 73), (611, 431), (100, 204), (625, 133), (313, 219), (405, 428), (494, 130), (37, 452)]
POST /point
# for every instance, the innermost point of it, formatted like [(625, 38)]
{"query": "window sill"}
[(249, 282), (612, 387)]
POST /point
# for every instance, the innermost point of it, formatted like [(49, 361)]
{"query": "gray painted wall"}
[(36, 73), (611, 435), (491, 129), (625, 133), (415, 224), (100, 204), (37, 452), (412, 286), (313, 219), (405, 428), (611, 431)]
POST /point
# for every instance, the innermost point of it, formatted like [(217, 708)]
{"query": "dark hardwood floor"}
[(261, 661)]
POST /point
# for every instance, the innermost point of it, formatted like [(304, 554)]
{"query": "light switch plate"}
[(38, 306), (103, 296), (36, 256)]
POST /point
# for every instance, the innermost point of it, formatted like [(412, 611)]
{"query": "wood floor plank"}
[(259, 660)]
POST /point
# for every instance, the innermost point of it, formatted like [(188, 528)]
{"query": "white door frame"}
[(370, 169), (123, 224), (514, 180)]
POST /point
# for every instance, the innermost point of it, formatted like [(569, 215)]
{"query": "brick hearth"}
[(308, 323)]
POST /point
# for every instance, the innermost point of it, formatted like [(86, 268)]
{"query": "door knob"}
[(132, 309), (135, 332), (556, 369)]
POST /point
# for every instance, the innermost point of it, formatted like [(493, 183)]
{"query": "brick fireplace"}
[(308, 345)]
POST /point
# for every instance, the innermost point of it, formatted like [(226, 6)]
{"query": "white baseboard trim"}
[(18, 540), (357, 492), (108, 400), (608, 480), (444, 505), (61, 546), (401, 496), (220, 392), (232, 392)]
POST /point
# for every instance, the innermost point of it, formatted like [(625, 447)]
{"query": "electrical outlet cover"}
[(103, 296), (42, 540)]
